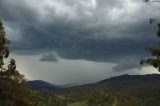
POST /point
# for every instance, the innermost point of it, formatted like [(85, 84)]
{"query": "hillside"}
[(124, 90), (42, 85)]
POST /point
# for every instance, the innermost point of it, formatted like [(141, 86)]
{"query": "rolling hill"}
[(124, 90), (42, 85)]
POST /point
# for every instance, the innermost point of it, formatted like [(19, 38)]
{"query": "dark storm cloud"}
[(76, 34)]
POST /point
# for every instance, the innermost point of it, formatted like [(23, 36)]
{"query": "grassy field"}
[(83, 103)]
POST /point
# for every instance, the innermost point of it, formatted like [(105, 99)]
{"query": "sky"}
[(79, 41)]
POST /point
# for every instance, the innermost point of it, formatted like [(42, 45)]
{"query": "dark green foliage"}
[(158, 32), (155, 52), (7, 71), (13, 94), (4, 52), (12, 83)]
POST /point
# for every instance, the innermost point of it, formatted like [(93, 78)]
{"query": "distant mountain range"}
[(42, 85), (127, 78), (113, 82)]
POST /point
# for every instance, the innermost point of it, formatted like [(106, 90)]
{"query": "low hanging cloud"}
[(50, 57), (127, 64), (95, 30)]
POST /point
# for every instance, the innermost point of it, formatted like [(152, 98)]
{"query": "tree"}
[(13, 91), (154, 60), (149, 1), (7, 71)]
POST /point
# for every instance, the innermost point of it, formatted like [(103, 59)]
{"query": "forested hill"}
[(127, 78), (124, 90), (122, 80), (42, 85)]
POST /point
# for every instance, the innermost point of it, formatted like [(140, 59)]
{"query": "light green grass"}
[(83, 103)]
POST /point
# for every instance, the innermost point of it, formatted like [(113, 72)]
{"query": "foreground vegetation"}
[(144, 94)]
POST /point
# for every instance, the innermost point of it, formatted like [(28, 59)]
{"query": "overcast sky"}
[(79, 41)]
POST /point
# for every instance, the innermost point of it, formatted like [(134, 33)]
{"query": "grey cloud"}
[(50, 57), (89, 37), (127, 64)]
